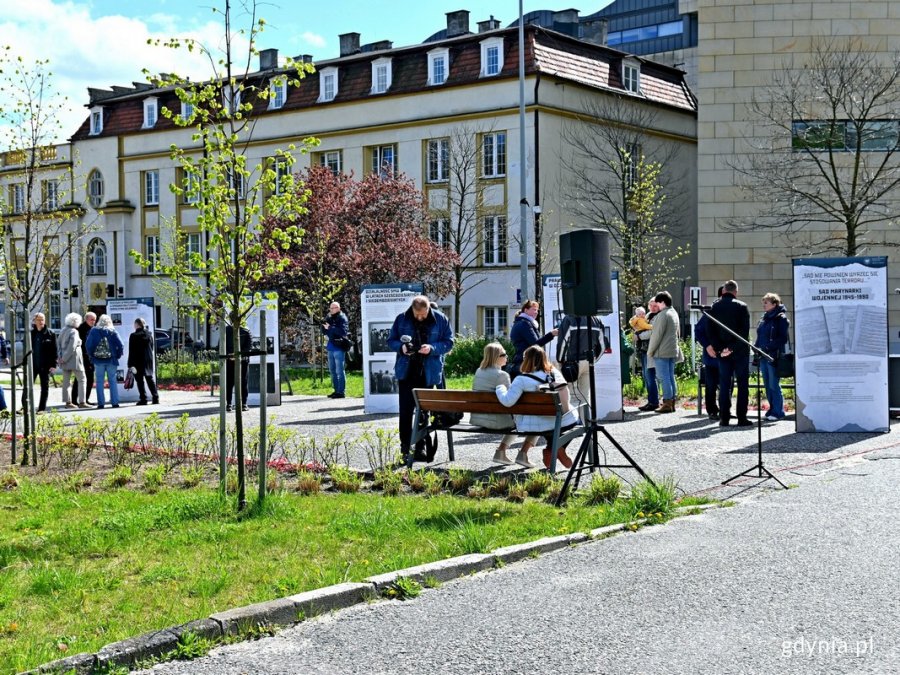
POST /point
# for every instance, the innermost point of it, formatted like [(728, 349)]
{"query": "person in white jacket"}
[(536, 372)]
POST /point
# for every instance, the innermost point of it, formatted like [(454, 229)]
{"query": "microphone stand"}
[(761, 471)]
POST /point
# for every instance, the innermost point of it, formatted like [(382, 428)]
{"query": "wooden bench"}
[(545, 404)]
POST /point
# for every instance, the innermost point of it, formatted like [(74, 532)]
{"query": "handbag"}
[(129, 379), (569, 371), (784, 364), (343, 343)]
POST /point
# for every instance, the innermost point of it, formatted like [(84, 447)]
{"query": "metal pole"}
[(223, 366), (11, 331), (523, 183), (263, 395)]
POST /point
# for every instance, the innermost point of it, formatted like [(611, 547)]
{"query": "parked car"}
[(162, 340), (182, 340)]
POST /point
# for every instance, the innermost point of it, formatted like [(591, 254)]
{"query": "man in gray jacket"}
[(663, 349)]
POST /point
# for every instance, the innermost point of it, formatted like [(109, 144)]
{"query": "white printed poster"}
[(608, 370), (269, 302), (123, 312), (380, 305), (841, 344)]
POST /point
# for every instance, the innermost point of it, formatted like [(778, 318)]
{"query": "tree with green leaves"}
[(41, 225), (231, 185)]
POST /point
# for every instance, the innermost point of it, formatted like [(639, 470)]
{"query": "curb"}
[(295, 608)]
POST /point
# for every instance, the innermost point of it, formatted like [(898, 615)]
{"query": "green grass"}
[(80, 570)]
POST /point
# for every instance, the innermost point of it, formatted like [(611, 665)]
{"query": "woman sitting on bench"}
[(490, 374), (537, 372)]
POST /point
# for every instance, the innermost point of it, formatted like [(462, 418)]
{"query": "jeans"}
[(2, 399), (734, 368), (649, 375), (773, 388), (106, 371), (414, 380), (336, 360), (665, 369)]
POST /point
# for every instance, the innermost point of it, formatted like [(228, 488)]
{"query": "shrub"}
[(416, 480), (653, 499), (9, 480), (78, 481), (191, 476), (478, 491), (308, 483), (516, 493), (154, 477), (460, 480), (537, 484), (498, 486), (231, 479), (120, 476), (553, 491), (434, 484), (468, 350), (602, 490), (389, 481), (344, 479)]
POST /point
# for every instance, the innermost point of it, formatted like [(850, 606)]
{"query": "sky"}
[(99, 43)]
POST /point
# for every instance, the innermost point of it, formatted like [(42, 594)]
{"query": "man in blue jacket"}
[(335, 327), (421, 337)]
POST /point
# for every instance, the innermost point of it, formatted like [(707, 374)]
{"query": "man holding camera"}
[(421, 336)]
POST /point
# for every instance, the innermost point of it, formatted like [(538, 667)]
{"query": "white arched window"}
[(95, 188), (96, 257)]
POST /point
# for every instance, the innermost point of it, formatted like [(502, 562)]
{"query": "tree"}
[(231, 187), (825, 150), (610, 168), (357, 232), (41, 226)]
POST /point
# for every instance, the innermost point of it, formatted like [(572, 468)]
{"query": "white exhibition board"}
[(608, 370), (841, 344), (380, 305), (123, 312), (269, 302)]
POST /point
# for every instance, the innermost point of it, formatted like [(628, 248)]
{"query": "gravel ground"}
[(797, 581)]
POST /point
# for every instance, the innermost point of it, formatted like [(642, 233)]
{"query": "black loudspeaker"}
[(584, 267)]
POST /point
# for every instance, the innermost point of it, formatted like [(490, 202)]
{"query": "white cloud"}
[(313, 39), (90, 51)]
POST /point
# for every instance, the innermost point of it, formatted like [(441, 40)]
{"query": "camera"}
[(412, 344)]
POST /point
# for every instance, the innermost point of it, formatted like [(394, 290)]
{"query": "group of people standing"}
[(85, 349), (656, 344)]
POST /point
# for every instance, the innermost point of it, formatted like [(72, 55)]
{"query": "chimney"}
[(268, 59), (490, 24), (378, 46), (457, 23), (594, 31), (304, 58), (349, 43), (566, 16)]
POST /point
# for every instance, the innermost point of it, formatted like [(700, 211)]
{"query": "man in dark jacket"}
[(733, 354), (421, 336), (335, 327), (83, 329), (710, 364), (140, 360), (43, 358), (245, 344)]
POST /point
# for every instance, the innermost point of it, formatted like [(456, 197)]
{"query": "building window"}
[(239, 182), (54, 321), (491, 57), (96, 257), (495, 321), (494, 240), (846, 135), (282, 171), (17, 197), (151, 253), (191, 186), (151, 112), (631, 77), (50, 194), (95, 188), (438, 160), (231, 99), (439, 232), (192, 246), (631, 160), (96, 121), (333, 159), (328, 84), (277, 94), (384, 160), (381, 75), (187, 111), (438, 60), (493, 147), (151, 188)]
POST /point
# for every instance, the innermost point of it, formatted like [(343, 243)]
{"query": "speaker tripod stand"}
[(588, 456)]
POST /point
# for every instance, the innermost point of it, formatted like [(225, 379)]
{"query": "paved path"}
[(797, 581)]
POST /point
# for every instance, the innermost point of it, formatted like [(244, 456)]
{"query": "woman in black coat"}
[(524, 333), (140, 360)]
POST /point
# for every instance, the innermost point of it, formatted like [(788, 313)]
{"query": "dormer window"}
[(151, 112), (631, 76), (277, 93), (328, 84), (381, 75), (96, 121), (491, 57), (438, 66)]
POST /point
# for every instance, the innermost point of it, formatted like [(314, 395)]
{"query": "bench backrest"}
[(460, 400)]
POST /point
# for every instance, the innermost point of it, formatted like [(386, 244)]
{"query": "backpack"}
[(102, 350)]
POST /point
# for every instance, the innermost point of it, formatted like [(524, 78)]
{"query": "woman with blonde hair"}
[(489, 375), (71, 361), (537, 372)]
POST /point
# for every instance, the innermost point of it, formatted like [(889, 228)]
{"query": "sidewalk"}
[(797, 581)]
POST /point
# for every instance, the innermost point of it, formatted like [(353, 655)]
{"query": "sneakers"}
[(647, 407), (522, 460), (155, 401), (501, 458), (228, 408), (245, 407), (71, 406), (115, 405), (85, 405), (771, 418)]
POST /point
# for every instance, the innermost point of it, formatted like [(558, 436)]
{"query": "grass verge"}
[(82, 569)]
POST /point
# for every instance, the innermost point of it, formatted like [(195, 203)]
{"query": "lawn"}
[(82, 569)]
